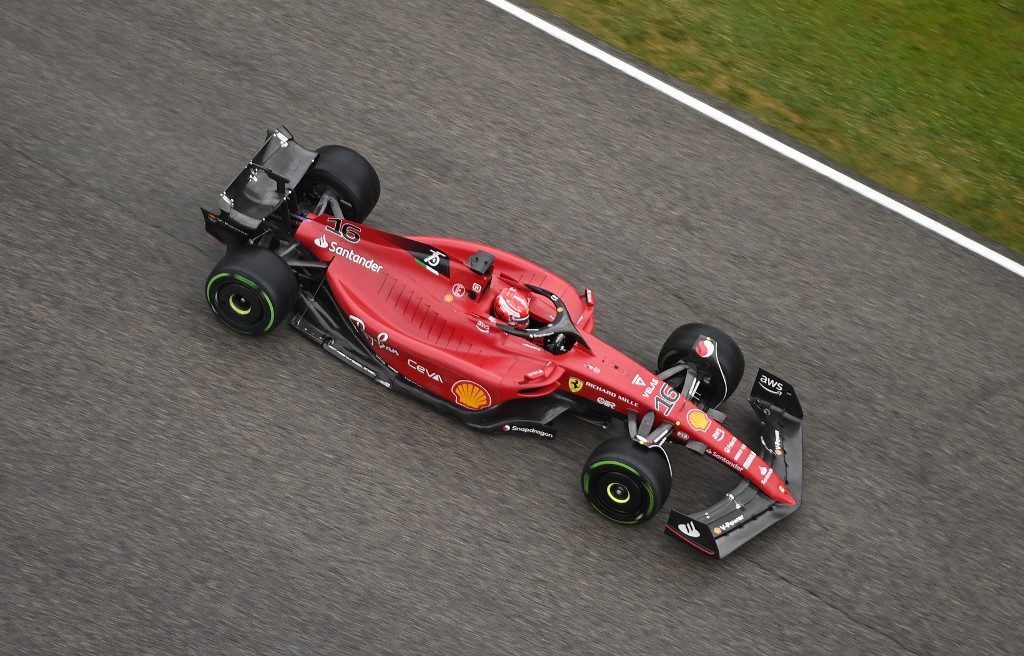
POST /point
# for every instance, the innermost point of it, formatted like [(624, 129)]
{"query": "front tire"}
[(678, 347), (343, 174), (626, 482), (251, 290)]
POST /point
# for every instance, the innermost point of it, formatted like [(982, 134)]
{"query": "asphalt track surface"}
[(167, 487)]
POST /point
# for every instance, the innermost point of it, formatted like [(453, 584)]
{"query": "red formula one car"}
[(417, 314)]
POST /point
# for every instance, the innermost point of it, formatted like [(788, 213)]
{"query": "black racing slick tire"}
[(730, 357), (344, 174), (252, 290), (626, 482)]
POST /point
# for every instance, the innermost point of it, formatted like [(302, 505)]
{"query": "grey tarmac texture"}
[(167, 487)]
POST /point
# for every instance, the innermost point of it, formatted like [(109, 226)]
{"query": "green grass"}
[(925, 97)]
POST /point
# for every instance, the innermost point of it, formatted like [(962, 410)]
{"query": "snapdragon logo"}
[(527, 429)]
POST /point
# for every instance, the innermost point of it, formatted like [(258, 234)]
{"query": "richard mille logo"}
[(433, 259)]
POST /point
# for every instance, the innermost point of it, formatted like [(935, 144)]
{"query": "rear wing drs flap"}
[(746, 511)]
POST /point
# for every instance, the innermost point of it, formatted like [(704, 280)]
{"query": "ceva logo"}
[(321, 241)]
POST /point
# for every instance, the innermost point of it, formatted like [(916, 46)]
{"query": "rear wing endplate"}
[(263, 184)]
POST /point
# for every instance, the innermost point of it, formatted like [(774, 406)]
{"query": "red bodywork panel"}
[(428, 316)]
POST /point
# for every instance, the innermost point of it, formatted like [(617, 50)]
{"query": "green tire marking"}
[(668, 356), (210, 284), (266, 298), (246, 281), (615, 462)]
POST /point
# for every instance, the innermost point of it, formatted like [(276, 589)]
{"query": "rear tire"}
[(344, 174), (679, 344), (626, 482), (251, 290)]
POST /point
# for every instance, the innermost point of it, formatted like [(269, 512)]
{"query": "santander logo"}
[(688, 529), (350, 255)]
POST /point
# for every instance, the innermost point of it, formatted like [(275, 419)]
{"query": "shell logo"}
[(470, 395), (697, 420)]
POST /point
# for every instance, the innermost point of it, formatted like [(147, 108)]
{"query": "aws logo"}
[(770, 385)]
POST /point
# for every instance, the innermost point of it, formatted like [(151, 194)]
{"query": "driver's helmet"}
[(513, 307)]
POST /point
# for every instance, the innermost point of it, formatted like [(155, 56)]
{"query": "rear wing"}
[(264, 184), (745, 511)]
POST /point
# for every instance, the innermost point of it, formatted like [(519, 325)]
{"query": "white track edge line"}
[(762, 138)]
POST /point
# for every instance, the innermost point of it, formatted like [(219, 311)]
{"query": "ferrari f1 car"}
[(415, 315)]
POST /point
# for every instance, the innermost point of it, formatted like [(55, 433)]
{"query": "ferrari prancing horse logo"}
[(575, 385)]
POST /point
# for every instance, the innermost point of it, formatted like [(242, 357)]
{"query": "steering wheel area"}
[(559, 336)]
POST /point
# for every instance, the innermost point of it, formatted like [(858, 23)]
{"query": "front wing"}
[(746, 511)]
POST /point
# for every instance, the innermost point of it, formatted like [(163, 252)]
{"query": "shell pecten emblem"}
[(575, 384), (697, 420), (470, 395)]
